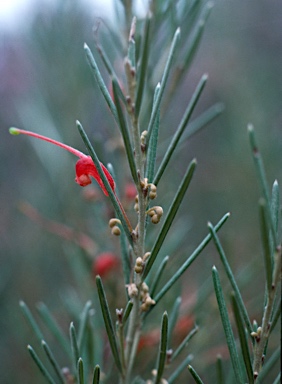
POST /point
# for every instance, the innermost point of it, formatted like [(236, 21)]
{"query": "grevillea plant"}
[(135, 104)]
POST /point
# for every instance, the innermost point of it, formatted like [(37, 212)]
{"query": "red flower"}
[(84, 167), (104, 263)]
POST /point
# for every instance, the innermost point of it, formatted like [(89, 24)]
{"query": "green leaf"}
[(197, 35), (82, 325), (108, 322), (74, 344), (194, 374), (142, 70), (275, 205), (162, 349), (152, 150), (189, 261), (262, 179), (276, 315), (40, 365), (53, 362), (278, 379), (96, 375), (158, 275), (219, 370), (32, 322), (112, 195), (168, 65), (127, 311), (170, 216), (110, 70), (100, 81), (180, 369), (184, 342), (231, 278), (173, 318), (54, 328), (180, 129), (243, 338), (268, 365), (80, 371), (125, 135), (266, 244), (227, 327)]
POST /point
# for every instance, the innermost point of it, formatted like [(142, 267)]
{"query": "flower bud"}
[(116, 231)]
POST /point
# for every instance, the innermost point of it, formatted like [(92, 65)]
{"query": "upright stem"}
[(134, 328), (261, 340)]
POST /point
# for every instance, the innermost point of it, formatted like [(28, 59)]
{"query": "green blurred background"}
[(46, 85)]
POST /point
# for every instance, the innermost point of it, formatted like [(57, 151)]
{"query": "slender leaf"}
[(196, 37), (125, 135), (275, 205), (180, 129), (74, 344), (40, 365), (30, 319), (168, 65), (276, 315), (262, 179), (189, 261), (142, 71), (163, 348), (231, 278), (197, 124), (170, 216), (83, 324), (96, 375), (227, 327), (180, 369), (278, 379), (266, 244), (158, 275), (100, 81), (268, 365), (194, 374), (243, 338), (54, 327), (127, 311), (184, 342), (112, 195), (53, 362), (173, 318), (110, 70), (152, 151), (108, 322), (219, 370), (80, 371), (125, 258)]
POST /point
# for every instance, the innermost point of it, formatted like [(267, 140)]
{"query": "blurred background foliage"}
[(46, 85)]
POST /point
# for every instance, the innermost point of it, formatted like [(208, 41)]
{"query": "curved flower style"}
[(84, 167)]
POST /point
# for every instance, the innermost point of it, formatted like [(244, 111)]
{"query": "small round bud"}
[(159, 211), (153, 188), (155, 219), (139, 261), (138, 269), (152, 195), (116, 231), (113, 222)]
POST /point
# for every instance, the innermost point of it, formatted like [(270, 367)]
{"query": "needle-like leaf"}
[(108, 322)]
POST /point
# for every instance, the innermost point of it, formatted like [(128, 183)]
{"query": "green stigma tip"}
[(14, 131)]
